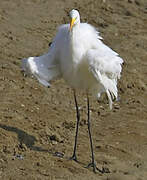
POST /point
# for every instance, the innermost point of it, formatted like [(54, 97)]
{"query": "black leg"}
[(92, 164), (74, 157)]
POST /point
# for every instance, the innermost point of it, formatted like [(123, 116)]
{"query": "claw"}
[(95, 169), (74, 157)]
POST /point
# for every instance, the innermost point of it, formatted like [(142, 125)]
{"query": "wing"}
[(46, 67), (105, 65)]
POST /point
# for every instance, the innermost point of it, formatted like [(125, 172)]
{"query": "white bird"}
[(78, 55)]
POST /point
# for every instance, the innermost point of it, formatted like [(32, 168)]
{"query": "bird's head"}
[(75, 18)]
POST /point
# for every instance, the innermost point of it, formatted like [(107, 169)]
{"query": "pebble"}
[(19, 156), (131, 1), (59, 154), (54, 142)]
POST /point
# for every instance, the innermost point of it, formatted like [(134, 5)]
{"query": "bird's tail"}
[(106, 68), (44, 68), (107, 85), (110, 86)]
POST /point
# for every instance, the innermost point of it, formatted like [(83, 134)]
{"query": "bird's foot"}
[(95, 169), (73, 157)]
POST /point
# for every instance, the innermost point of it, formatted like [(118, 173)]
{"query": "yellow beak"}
[(72, 23)]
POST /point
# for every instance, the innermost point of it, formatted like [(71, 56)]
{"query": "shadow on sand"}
[(29, 141), (24, 138)]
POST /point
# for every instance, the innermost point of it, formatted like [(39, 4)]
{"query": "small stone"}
[(56, 137), (137, 2), (83, 122), (19, 156), (59, 154), (105, 170), (23, 146), (116, 107), (131, 1), (98, 147), (54, 142), (7, 149), (129, 86), (138, 165), (38, 163), (53, 138)]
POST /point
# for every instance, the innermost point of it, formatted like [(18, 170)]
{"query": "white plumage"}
[(81, 58), (78, 55)]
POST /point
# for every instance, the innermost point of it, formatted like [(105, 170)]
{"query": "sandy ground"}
[(37, 124)]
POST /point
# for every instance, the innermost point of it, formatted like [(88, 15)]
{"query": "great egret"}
[(78, 55)]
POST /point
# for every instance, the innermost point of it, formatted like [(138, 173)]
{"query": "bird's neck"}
[(73, 41), (74, 31)]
